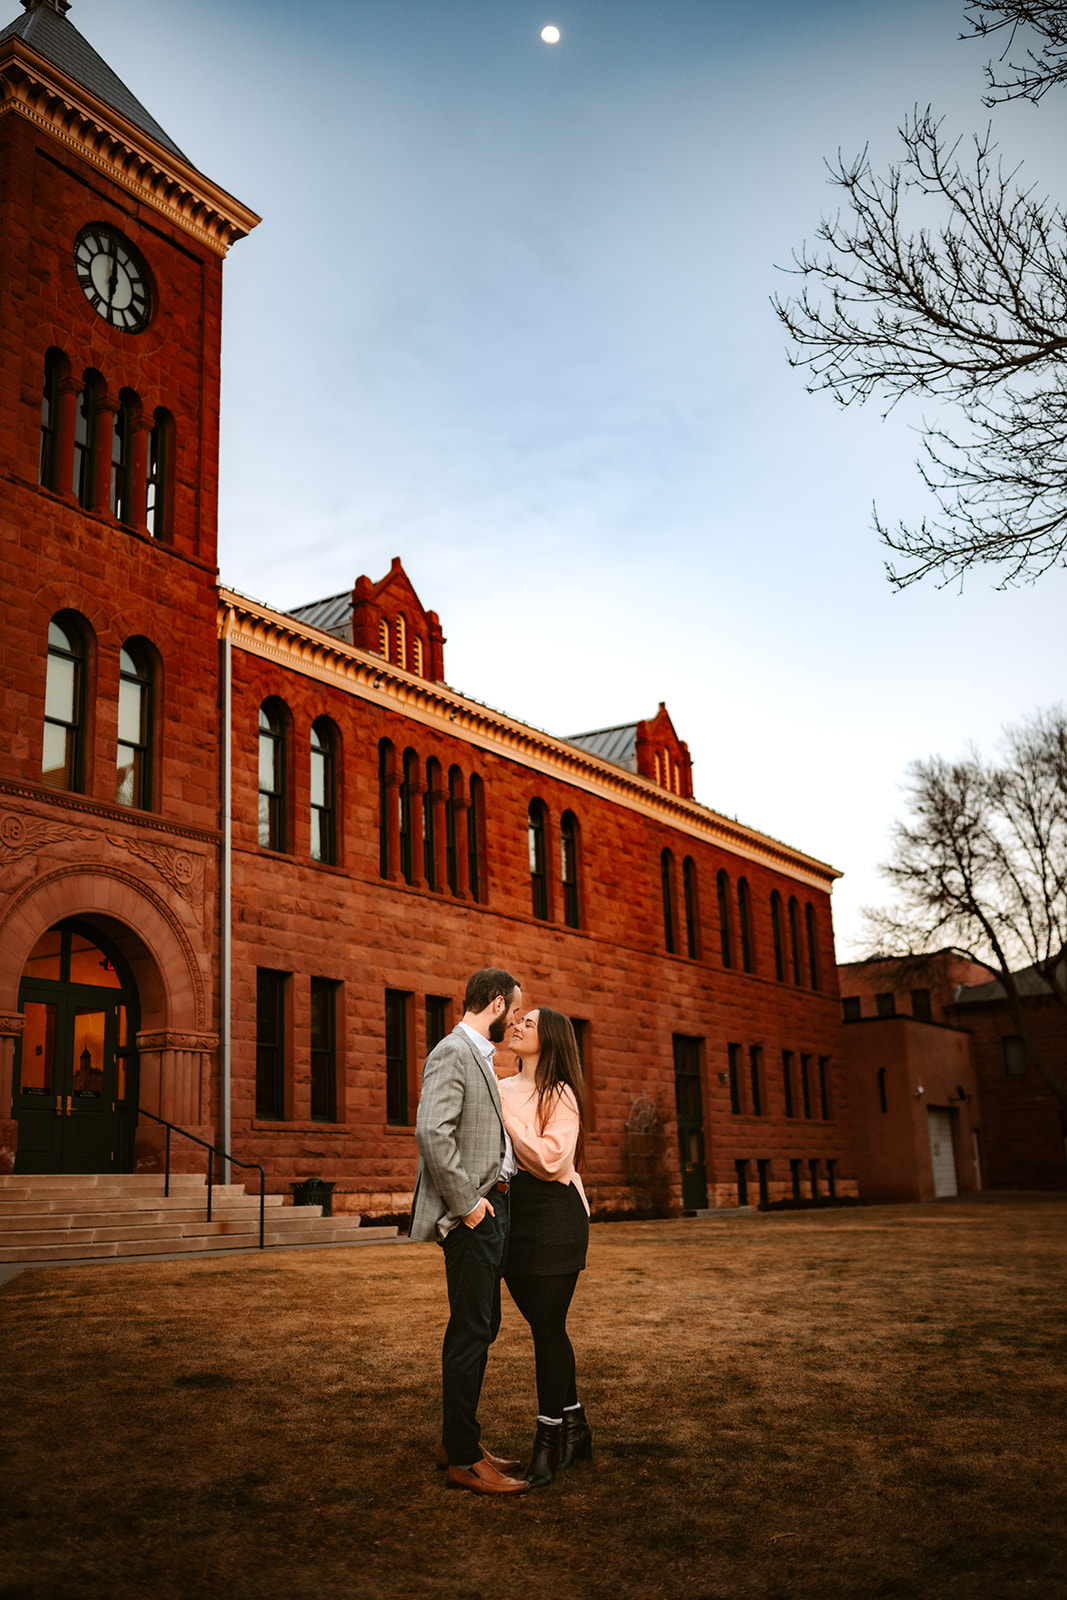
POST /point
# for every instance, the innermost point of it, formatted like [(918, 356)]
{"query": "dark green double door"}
[(74, 1102)]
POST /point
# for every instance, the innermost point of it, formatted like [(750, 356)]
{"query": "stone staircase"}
[(100, 1215)]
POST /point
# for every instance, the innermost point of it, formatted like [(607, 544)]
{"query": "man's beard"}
[(497, 1029)]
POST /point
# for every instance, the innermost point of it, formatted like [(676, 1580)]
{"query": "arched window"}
[(475, 835), (689, 895), (416, 656), (568, 850), (383, 638), (121, 499), (794, 938), (272, 775), (455, 793), (537, 830), (323, 796), (429, 822), (86, 420), (666, 870), (722, 888), (385, 772), (63, 755), (813, 947), (133, 762), (744, 923), (55, 369), (776, 934), (401, 642), (409, 778), (160, 458)]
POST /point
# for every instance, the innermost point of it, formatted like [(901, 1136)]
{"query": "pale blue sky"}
[(507, 317)]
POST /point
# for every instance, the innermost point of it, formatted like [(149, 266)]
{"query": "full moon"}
[(550, 34)]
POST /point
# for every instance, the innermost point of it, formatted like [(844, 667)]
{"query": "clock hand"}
[(113, 276)]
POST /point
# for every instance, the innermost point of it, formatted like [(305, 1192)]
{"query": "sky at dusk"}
[(507, 317)]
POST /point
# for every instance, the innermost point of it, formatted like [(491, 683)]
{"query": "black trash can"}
[(314, 1192)]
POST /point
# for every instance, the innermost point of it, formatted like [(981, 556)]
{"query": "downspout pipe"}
[(226, 896)]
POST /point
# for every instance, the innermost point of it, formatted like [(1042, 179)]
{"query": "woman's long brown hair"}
[(559, 1067)]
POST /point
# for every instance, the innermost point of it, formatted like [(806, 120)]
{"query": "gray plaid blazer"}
[(460, 1135)]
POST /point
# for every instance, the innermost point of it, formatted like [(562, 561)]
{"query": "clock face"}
[(114, 277)]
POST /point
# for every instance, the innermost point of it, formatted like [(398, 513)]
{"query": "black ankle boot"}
[(542, 1468), (576, 1440)]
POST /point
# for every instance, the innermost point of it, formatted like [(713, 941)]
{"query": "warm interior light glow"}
[(550, 34)]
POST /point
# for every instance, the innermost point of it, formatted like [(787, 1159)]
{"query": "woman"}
[(543, 1113)]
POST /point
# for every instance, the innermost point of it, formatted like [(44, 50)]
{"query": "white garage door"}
[(942, 1152)]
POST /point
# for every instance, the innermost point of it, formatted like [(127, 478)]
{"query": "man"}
[(465, 1165)]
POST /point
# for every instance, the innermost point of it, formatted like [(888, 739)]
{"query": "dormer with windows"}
[(386, 618), (650, 748)]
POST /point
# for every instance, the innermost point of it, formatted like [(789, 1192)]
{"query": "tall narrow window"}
[(323, 1050), (755, 1075), (436, 1020), (397, 1008), (813, 1172), (475, 834), (776, 935), (429, 822), (741, 1169), (538, 874), (744, 923), (270, 1043), (824, 1088), (383, 638), (55, 367), (733, 1057), (568, 849), (416, 656), (722, 888), (86, 419), (121, 455), (689, 896), (794, 938), (401, 642), (160, 455), (385, 772), (272, 774), (763, 1173), (409, 776), (813, 947), (805, 1085), (794, 1173), (666, 870), (62, 759), (452, 841), (787, 1082), (882, 1101), (323, 794), (133, 778)]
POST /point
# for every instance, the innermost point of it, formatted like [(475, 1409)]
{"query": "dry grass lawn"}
[(859, 1404)]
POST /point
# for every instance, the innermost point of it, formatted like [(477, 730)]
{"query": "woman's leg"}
[(544, 1302)]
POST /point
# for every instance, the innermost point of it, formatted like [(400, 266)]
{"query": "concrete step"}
[(55, 1221), (99, 1180), (64, 1204), (207, 1244)]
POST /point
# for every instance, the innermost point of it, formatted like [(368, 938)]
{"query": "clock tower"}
[(111, 252)]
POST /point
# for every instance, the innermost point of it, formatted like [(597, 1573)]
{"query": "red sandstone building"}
[(248, 858)]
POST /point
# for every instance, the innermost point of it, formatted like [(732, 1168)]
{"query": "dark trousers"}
[(544, 1301), (473, 1261)]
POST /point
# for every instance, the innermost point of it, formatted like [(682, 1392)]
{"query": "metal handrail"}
[(213, 1150)]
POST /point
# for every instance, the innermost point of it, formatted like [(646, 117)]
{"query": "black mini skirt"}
[(549, 1232)]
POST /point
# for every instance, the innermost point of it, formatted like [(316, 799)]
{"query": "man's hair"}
[(484, 987)]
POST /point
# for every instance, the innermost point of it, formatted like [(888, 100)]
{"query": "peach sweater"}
[(548, 1155)]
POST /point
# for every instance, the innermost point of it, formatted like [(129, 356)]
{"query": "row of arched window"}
[(541, 882), (395, 645), (431, 826), (63, 757), (104, 448), (793, 949)]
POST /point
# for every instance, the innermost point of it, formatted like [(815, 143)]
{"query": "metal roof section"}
[(617, 745), (332, 615), (45, 29)]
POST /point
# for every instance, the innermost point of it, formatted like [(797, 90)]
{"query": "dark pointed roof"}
[(332, 615), (45, 29)]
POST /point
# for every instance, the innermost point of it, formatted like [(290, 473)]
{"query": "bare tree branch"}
[(981, 863), (1033, 76), (968, 309)]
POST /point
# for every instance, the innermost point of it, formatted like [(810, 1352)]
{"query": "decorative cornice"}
[(166, 1040), (104, 813), (294, 646), (11, 1025), (37, 89)]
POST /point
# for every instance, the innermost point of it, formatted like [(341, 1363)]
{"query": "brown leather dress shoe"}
[(484, 1479), (504, 1464)]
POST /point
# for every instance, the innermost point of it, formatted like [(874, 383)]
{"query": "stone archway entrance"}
[(75, 1085)]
